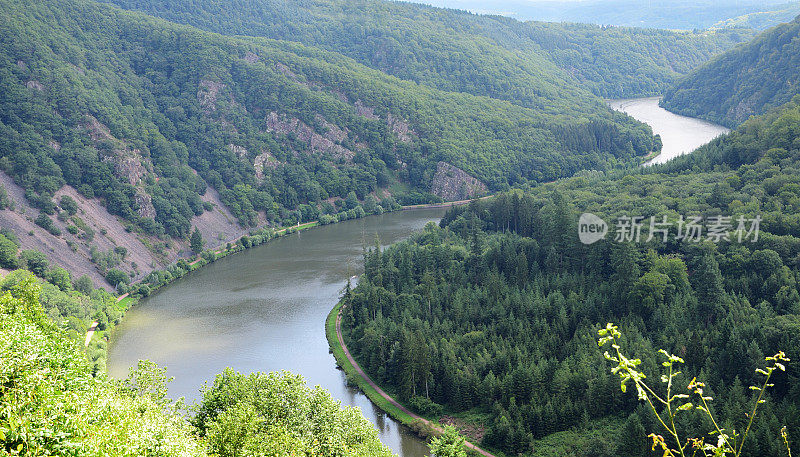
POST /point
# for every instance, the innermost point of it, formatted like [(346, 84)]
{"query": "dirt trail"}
[(445, 204), (89, 333), (387, 396)]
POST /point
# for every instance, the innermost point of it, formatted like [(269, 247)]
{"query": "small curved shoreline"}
[(223, 252), (384, 401), (197, 263)]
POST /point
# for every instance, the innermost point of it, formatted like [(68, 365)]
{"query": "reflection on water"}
[(264, 310), (679, 134)]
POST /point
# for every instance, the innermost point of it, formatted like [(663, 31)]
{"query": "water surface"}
[(679, 134), (264, 310)]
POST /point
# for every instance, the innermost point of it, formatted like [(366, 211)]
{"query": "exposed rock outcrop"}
[(452, 183), (262, 161), (129, 164), (32, 84), (397, 125), (400, 128), (145, 202), (366, 111), (251, 57), (332, 131), (207, 94), (317, 144), (240, 151), (97, 131)]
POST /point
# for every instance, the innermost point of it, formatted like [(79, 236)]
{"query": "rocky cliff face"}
[(452, 183), (316, 143), (129, 164)]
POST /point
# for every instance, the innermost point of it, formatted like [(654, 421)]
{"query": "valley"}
[(365, 228)]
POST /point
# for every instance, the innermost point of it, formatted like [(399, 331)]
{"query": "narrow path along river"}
[(264, 310), (679, 134)]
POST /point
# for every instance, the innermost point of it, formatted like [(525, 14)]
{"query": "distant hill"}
[(761, 20), (663, 14), (458, 51), (744, 81)]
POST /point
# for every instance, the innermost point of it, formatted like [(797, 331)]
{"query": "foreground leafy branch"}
[(728, 443)]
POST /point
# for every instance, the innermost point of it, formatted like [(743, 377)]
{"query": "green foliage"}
[(105, 261), (116, 277), (44, 221), (84, 285), (5, 202), (60, 278), (747, 80), (277, 414), (68, 204), (670, 404), (196, 241), (8, 253), (52, 404), (448, 444), (34, 261)]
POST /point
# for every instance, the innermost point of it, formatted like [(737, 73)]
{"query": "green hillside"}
[(745, 81), (661, 14), (458, 51), (761, 20), (146, 114), (491, 317)]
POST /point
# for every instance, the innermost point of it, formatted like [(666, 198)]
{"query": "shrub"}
[(8, 253), (35, 261), (44, 221), (68, 204), (234, 410), (425, 406), (116, 277)]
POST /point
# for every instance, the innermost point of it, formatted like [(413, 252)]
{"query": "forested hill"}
[(491, 317), (454, 50), (744, 81), (153, 119)]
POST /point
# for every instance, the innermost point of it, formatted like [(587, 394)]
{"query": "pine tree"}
[(196, 241)]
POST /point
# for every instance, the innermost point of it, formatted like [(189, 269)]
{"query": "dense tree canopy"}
[(277, 414), (492, 315)]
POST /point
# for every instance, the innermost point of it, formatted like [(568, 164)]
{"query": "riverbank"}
[(97, 340), (124, 302), (355, 374), (444, 204), (246, 241)]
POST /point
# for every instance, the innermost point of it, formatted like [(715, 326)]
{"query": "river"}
[(264, 310), (679, 134)]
